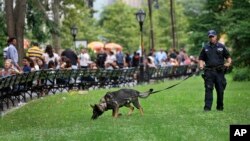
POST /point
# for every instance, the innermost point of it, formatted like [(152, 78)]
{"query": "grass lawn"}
[(172, 115)]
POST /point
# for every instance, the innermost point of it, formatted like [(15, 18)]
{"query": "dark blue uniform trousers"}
[(217, 79)]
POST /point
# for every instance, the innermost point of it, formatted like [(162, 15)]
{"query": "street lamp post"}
[(74, 31), (140, 16)]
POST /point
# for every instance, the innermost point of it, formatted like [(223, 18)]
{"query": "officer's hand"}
[(227, 65), (201, 67)]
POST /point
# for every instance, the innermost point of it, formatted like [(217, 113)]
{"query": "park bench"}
[(26, 86)]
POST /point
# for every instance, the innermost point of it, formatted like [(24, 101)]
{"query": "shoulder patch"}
[(220, 49)]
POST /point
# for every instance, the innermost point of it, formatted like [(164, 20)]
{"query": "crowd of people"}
[(38, 59)]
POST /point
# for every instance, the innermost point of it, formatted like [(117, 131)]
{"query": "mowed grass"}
[(172, 115)]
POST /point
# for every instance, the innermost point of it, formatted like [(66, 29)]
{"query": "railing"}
[(26, 86)]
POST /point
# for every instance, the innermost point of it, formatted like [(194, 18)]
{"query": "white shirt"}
[(5, 52), (160, 56), (110, 58), (84, 59), (54, 58)]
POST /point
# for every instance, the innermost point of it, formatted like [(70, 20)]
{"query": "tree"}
[(162, 26), (75, 12), (237, 24), (208, 18), (56, 17), (53, 24), (36, 23), (227, 17), (116, 26), (120, 25), (15, 17), (3, 32)]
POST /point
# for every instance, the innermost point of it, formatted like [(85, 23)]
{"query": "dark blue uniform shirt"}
[(214, 54)]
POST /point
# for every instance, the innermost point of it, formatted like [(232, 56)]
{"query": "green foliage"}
[(3, 37), (241, 74), (182, 27), (237, 29), (203, 21), (193, 8), (226, 17), (36, 23), (162, 26), (81, 17), (176, 114), (121, 26)]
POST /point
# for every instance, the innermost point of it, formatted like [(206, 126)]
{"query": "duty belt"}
[(216, 68)]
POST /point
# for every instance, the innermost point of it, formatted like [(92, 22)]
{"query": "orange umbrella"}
[(95, 45), (113, 46)]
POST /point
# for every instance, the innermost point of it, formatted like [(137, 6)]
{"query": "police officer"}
[(213, 58)]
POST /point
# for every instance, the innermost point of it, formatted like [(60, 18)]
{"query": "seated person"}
[(8, 69), (65, 63), (26, 64)]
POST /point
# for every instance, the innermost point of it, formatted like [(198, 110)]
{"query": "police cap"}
[(211, 33)]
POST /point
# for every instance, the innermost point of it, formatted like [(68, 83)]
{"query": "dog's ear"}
[(92, 106), (108, 96)]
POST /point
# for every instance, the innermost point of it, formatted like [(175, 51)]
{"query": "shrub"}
[(241, 74)]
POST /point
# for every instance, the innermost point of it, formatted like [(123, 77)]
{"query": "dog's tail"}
[(145, 94)]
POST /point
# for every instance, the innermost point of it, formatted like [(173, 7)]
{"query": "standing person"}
[(212, 60), (12, 52), (5, 50), (135, 59), (160, 56), (128, 60), (71, 55), (120, 59), (84, 59), (111, 58), (101, 58)]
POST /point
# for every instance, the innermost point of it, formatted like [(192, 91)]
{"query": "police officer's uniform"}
[(213, 55)]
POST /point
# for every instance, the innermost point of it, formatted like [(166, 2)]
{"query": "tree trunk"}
[(20, 11), (152, 44), (15, 23), (172, 24), (56, 21), (55, 35), (10, 18)]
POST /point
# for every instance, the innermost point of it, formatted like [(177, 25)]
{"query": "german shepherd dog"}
[(115, 100)]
